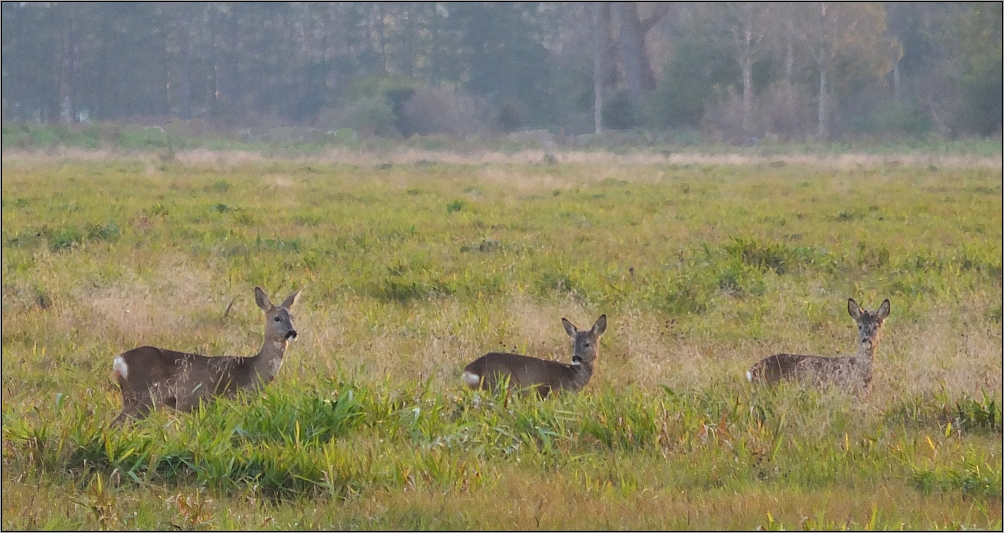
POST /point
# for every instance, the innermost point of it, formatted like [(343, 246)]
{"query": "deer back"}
[(522, 371), (809, 368), (180, 379), (491, 369), (150, 376), (842, 371)]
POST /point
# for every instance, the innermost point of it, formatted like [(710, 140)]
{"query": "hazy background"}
[(723, 71)]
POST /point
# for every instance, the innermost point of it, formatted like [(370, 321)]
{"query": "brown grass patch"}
[(408, 155)]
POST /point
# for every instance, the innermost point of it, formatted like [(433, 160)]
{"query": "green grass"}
[(411, 270), (119, 138)]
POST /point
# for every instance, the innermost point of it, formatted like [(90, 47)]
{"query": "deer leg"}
[(186, 405), (135, 408), (542, 390), (119, 420)]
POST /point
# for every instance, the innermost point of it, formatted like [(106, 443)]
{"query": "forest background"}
[(693, 72)]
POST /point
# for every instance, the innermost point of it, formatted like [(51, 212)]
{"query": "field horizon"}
[(415, 262)]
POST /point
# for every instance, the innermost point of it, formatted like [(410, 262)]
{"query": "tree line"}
[(799, 70)]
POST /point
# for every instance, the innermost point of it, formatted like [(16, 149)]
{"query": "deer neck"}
[(268, 360), (581, 373), (866, 353)]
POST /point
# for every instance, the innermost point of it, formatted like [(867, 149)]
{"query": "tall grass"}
[(412, 270)]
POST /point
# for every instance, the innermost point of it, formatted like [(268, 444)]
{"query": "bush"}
[(786, 111), (371, 105), (512, 116), (434, 110), (683, 92), (619, 113), (896, 118), (369, 116), (726, 112), (47, 136)]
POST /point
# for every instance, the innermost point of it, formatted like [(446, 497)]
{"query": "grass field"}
[(412, 268)]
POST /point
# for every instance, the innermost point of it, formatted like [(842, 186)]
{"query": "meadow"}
[(413, 266)]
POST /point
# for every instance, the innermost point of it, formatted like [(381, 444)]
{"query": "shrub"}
[(619, 113), (512, 116), (786, 111), (371, 105), (433, 110), (727, 111), (897, 118), (372, 115)]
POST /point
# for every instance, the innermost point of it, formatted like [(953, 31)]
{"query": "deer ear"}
[(262, 300), (883, 310), (853, 309), (601, 325), (569, 327), (291, 299)]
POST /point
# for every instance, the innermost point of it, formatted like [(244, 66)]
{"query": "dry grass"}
[(407, 156)]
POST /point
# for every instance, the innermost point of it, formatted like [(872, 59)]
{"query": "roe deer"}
[(852, 372), (150, 376), (490, 370)]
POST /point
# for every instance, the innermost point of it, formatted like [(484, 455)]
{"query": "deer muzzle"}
[(291, 334)]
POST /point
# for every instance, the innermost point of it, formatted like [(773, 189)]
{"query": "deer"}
[(847, 372), (149, 376), (492, 370)]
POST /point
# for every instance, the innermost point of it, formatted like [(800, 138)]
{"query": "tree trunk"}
[(434, 55), (789, 56), (227, 95), (823, 133), (67, 89), (165, 76), (744, 42), (609, 47), (336, 46), (747, 88), (381, 34), (637, 69), (410, 33), (824, 119), (185, 44), (895, 80), (601, 26), (214, 64)]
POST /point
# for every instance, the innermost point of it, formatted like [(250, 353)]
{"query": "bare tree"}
[(601, 28), (67, 64), (181, 16), (748, 25), (631, 41), (845, 40)]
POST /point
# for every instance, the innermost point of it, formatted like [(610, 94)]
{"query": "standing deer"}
[(851, 372), (150, 376), (490, 370)]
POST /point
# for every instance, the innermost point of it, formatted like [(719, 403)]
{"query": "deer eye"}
[(277, 319)]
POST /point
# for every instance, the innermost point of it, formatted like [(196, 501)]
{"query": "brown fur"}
[(492, 369), (851, 372), (150, 376)]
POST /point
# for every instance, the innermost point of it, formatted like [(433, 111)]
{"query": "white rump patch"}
[(120, 366), (471, 379), (749, 376)]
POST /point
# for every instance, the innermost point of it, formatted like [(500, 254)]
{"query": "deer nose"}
[(291, 334)]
